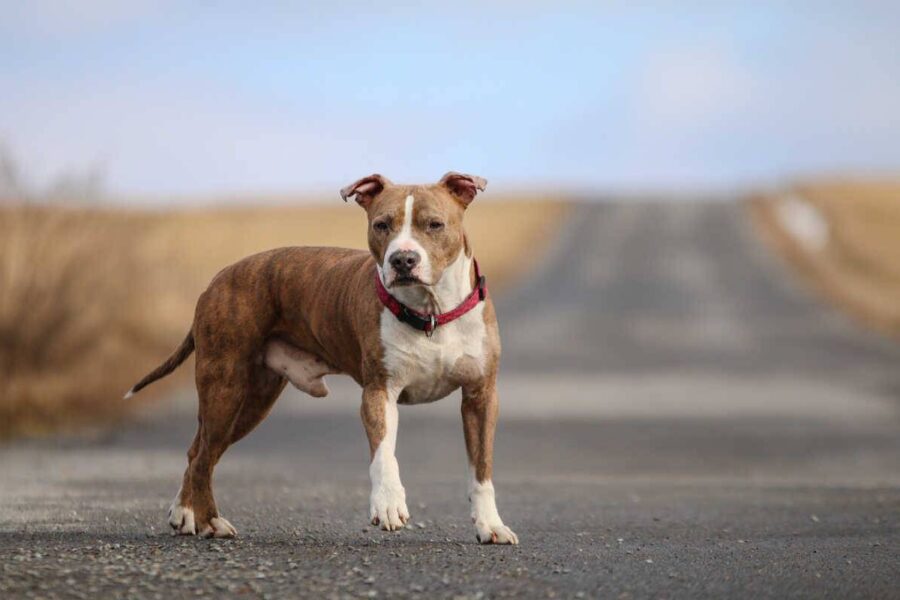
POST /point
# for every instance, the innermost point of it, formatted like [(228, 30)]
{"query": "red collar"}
[(429, 322)]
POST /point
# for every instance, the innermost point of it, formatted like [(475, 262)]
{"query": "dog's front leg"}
[(387, 503), (479, 415)]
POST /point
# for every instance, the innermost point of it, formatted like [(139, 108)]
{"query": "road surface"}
[(679, 419)]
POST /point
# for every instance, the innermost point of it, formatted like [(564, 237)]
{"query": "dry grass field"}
[(856, 262), (91, 299)]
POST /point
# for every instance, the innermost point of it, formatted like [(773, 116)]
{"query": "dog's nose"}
[(404, 261)]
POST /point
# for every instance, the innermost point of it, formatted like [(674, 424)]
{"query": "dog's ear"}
[(463, 186), (365, 190)]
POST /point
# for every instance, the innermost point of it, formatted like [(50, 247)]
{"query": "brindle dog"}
[(297, 314)]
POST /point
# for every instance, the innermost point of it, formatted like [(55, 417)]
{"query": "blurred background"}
[(692, 232), (170, 139)]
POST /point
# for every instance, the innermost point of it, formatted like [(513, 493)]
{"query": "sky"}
[(198, 98)]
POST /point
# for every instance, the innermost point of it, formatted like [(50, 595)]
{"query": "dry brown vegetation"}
[(91, 299), (859, 266), (62, 323)]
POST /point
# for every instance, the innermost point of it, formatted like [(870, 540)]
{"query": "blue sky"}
[(207, 98)]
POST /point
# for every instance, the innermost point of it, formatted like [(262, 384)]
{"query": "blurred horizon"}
[(173, 100)]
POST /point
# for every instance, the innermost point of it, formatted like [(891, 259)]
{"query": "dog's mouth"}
[(406, 280)]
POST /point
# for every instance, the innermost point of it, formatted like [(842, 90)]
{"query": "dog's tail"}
[(178, 357)]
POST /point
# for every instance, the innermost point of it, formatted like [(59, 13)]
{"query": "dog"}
[(410, 321)]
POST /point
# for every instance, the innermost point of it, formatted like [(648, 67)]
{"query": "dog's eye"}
[(435, 226), (381, 226)]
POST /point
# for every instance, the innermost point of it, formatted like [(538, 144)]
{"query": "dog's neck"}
[(446, 294)]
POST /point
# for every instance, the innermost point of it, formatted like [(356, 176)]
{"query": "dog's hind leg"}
[(225, 418), (181, 515), (223, 389), (224, 402), (265, 387)]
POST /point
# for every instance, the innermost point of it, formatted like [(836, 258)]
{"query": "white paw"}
[(495, 533), (489, 528), (387, 507), (181, 518), (218, 527)]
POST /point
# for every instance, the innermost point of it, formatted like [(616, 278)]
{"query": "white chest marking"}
[(427, 368)]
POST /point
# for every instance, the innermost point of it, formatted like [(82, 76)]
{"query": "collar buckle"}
[(422, 322), (427, 323)]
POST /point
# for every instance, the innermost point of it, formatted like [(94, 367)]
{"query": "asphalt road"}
[(678, 420)]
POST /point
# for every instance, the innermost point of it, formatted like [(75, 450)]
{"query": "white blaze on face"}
[(406, 241)]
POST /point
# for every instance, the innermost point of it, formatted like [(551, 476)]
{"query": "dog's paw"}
[(181, 519), (218, 527), (489, 528), (387, 507), (494, 533)]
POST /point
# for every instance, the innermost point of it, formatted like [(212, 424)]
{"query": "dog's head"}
[(415, 231)]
